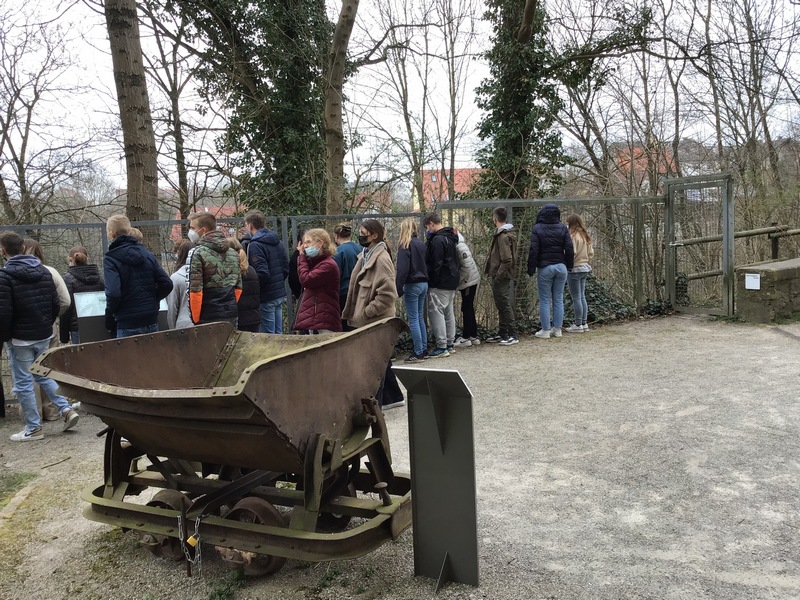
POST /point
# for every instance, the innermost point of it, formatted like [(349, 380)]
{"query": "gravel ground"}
[(651, 459)]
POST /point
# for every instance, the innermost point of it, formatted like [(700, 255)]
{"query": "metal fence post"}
[(638, 257), (775, 241)]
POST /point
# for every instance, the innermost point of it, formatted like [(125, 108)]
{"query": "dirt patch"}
[(653, 459)]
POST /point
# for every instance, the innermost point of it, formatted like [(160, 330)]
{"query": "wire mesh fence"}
[(628, 236)]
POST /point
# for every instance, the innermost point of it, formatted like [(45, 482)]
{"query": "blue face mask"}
[(312, 251), (428, 235)]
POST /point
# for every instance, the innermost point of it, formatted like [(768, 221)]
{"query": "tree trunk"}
[(334, 131), (134, 110)]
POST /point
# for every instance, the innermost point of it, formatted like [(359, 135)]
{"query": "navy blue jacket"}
[(346, 256), (28, 300), (441, 259), (551, 243), (267, 255), (135, 284), (411, 267)]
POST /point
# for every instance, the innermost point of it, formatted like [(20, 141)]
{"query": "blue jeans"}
[(550, 282), (414, 299), (577, 290), (21, 359), (272, 316), (137, 330)]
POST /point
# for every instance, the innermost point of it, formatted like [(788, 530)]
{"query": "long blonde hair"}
[(320, 235), (236, 245), (408, 229), (578, 228)]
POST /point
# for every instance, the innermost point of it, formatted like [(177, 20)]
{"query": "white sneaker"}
[(556, 332), (542, 333), (71, 419), (475, 341), (27, 436), (575, 329), (397, 404), (462, 343), (585, 327)]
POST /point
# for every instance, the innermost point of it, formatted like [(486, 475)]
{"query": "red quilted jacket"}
[(319, 303)]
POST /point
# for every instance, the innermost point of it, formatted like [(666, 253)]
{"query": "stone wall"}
[(779, 293)]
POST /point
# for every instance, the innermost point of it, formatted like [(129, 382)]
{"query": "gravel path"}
[(651, 459)]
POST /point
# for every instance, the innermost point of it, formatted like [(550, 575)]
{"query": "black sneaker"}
[(509, 341), (493, 339), (412, 358)]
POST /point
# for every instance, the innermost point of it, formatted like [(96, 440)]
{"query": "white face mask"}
[(194, 237)]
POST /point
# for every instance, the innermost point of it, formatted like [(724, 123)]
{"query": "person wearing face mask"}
[(318, 311), (371, 297), (215, 281), (135, 282)]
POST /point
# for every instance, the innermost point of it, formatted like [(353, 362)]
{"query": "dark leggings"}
[(470, 329)]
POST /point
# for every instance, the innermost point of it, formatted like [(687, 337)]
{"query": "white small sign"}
[(752, 281)]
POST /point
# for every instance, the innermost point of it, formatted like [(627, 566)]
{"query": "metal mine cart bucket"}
[(254, 440)]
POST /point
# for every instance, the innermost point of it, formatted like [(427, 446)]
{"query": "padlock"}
[(192, 541)]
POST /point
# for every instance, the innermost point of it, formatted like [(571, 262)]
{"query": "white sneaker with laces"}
[(27, 436), (475, 341), (575, 329), (556, 332), (585, 327), (543, 333), (462, 343)]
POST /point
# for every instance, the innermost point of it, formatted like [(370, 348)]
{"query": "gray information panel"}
[(442, 451), (90, 308)]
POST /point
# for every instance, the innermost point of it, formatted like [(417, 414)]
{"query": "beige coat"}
[(372, 292)]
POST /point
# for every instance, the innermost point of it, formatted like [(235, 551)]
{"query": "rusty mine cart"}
[(255, 442)]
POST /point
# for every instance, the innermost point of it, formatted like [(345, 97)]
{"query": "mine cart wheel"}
[(332, 522), (164, 545), (256, 510)]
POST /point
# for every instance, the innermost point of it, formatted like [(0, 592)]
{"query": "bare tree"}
[(39, 151)]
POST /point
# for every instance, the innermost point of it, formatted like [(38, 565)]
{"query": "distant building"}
[(435, 185)]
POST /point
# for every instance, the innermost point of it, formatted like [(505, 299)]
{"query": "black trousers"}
[(390, 391), (470, 328)]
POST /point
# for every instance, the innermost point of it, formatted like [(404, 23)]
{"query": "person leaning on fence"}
[(178, 314), (412, 285), (80, 277), (135, 282), (267, 255), (501, 265), (551, 255), (576, 278), (371, 297), (441, 259), (249, 305), (468, 279), (215, 282), (318, 310), (28, 309)]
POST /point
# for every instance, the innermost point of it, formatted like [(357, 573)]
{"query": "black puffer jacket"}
[(135, 284), (79, 278), (28, 300), (441, 259), (250, 302), (550, 241)]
